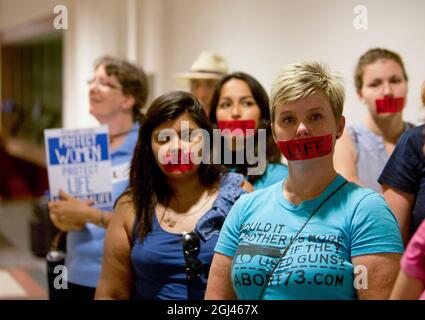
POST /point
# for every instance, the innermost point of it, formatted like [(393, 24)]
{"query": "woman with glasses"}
[(117, 93), (364, 148), (313, 235), (162, 236), (241, 103)]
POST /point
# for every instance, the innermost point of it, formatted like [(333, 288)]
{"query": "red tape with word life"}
[(246, 127), (177, 162), (389, 105), (306, 148)]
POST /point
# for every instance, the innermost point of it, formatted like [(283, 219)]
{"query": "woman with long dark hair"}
[(240, 102), (161, 239)]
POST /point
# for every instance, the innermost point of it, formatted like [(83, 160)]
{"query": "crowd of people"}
[(287, 203)]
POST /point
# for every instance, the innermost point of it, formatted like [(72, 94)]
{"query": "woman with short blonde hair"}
[(303, 238)]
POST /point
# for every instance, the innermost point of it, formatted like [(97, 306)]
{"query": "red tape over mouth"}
[(389, 105), (306, 148), (246, 127), (177, 162)]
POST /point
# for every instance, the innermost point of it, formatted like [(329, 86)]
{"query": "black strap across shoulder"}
[(269, 277)]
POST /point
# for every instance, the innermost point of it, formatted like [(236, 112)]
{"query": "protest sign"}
[(79, 163)]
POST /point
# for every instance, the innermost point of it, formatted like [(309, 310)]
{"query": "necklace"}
[(172, 222)]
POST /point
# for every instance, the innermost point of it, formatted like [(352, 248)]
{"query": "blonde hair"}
[(301, 80)]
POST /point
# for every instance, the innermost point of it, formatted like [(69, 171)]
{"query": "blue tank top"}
[(158, 262), (371, 154)]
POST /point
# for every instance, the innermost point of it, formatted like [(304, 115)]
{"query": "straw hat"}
[(207, 66)]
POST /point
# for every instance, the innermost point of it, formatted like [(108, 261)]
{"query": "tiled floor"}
[(22, 275)]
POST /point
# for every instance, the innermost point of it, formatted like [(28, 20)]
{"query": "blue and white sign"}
[(79, 163)]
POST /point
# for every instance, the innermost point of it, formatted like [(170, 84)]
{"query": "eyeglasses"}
[(191, 248), (103, 85)]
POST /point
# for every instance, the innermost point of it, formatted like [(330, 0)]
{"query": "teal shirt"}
[(274, 172), (354, 222)]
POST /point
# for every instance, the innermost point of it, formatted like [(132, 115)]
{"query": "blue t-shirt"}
[(85, 247), (405, 171), (158, 262), (355, 221), (274, 173)]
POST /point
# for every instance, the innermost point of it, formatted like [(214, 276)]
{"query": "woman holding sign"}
[(117, 93), (363, 150), (161, 239), (240, 109), (304, 238)]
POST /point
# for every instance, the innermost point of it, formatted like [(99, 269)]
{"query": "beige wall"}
[(16, 12), (97, 27), (257, 36)]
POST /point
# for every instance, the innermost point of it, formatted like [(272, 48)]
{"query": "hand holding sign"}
[(65, 226), (67, 197), (79, 163), (69, 213)]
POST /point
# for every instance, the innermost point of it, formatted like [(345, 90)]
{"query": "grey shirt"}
[(371, 154)]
